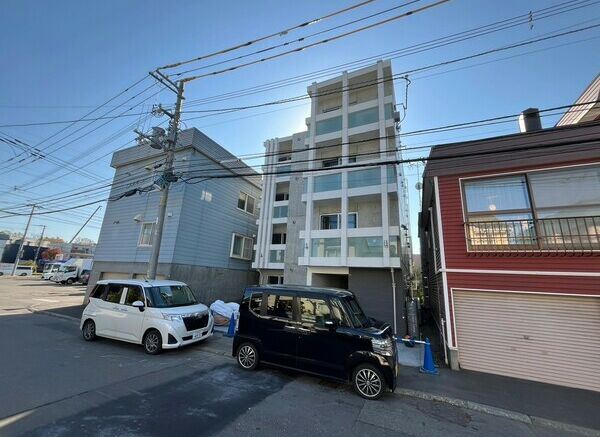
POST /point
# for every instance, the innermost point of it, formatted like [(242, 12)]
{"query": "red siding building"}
[(510, 244)]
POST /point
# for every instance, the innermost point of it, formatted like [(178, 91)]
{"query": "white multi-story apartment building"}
[(331, 213)]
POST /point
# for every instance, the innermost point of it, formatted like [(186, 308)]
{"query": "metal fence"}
[(568, 234)]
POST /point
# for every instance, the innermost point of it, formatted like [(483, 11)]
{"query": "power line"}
[(271, 35), (132, 180), (232, 174), (394, 76), (504, 24), (352, 166), (298, 40), (321, 42)]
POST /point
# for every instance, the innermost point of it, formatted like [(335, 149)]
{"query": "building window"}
[(246, 203), (206, 196), (282, 196), (333, 221), (241, 247), (146, 234), (330, 221), (278, 238), (271, 279), (331, 162), (547, 210)]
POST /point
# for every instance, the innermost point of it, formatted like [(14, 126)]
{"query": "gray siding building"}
[(210, 224)]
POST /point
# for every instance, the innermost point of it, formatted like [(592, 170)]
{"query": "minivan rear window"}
[(280, 306), (98, 291)]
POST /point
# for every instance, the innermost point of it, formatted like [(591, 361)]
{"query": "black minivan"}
[(322, 331)]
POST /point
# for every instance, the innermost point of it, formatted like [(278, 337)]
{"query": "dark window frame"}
[(122, 286), (140, 289)]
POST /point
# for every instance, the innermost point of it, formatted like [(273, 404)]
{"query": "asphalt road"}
[(52, 383)]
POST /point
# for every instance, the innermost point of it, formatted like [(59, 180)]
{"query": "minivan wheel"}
[(368, 381), (247, 356), (89, 330), (153, 342)]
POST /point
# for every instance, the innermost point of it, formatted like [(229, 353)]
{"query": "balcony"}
[(569, 235)]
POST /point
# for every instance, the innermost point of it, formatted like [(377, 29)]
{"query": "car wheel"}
[(69, 281), (247, 356), (89, 330), (368, 381), (153, 342)]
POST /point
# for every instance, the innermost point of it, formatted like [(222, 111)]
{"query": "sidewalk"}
[(561, 404)]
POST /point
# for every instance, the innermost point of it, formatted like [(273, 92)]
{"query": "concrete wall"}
[(373, 288), (208, 283), (293, 273), (212, 283)]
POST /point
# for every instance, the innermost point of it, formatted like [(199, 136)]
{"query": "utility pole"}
[(18, 257), (37, 251), (168, 145)]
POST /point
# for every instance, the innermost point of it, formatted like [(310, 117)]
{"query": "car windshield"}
[(167, 296), (359, 320)]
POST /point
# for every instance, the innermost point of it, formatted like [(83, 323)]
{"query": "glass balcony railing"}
[(276, 256), (388, 110), (284, 169), (365, 247), (329, 125), (326, 247), (365, 116), (280, 211), (327, 182), (364, 178), (391, 174)]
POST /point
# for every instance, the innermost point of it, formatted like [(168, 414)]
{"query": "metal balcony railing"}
[(566, 235)]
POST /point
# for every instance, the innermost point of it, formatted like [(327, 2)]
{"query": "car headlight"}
[(383, 346), (171, 317)]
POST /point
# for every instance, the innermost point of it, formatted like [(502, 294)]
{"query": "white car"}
[(157, 314)]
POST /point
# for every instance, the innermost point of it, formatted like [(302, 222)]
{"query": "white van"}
[(50, 269), (6, 270), (157, 314)]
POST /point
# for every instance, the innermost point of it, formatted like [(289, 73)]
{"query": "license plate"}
[(196, 335)]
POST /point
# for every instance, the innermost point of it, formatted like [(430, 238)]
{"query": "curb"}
[(500, 412)]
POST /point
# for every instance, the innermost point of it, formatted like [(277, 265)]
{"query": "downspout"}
[(394, 298)]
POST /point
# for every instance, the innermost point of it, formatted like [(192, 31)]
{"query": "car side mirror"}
[(139, 305)]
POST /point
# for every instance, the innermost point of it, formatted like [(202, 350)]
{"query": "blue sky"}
[(62, 58)]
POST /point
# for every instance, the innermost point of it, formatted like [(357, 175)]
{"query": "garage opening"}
[(330, 280)]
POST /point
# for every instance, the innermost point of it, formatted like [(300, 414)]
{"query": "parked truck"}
[(70, 271), (50, 269)]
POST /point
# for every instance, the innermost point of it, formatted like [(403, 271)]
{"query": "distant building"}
[(210, 225), (327, 224)]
